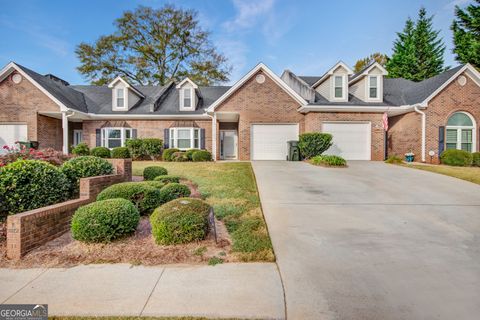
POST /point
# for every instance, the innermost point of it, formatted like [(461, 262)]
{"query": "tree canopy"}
[(377, 56), (466, 34), (418, 51), (154, 46)]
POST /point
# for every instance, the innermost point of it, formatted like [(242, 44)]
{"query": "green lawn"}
[(471, 174), (231, 189)]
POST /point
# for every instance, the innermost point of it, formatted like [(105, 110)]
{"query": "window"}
[(187, 98), (120, 98), (185, 138), (373, 87), (460, 133), (115, 137), (338, 81), (77, 137)]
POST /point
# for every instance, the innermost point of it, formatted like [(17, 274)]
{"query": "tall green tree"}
[(154, 46), (466, 34), (418, 53), (377, 56)]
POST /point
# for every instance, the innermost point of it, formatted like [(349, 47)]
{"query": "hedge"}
[(202, 155), (152, 147), (100, 152), (120, 153), (149, 173), (31, 184), (329, 160), (314, 143), (454, 157), (83, 167), (173, 191), (179, 156), (180, 221), (189, 153), (81, 149), (168, 179), (145, 197), (167, 154), (476, 159), (104, 221)]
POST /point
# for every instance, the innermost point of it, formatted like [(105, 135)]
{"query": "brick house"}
[(254, 118)]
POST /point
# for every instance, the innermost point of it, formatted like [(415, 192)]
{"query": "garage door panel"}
[(269, 141), (351, 140)]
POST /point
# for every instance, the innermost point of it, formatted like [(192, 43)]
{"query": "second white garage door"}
[(269, 141), (351, 140)]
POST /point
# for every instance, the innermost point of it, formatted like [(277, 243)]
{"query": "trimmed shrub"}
[(168, 179), (179, 156), (153, 147), (135, 147), (145, 197), (314, 143), (120, 153), (156, 184), (83, 167), (104, 221), (453, 157), (167, 154), (476, 159), (31, 184), (173, 191), (149, 173), (329, 160), (81, 149), (394, 159), (202, 155), (182, 220), (189, 153), (100, 152)]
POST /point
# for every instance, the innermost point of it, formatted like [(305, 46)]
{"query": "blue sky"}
[(306, 37)]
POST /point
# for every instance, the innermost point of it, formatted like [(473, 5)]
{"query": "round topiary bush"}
[(168, 179), (168, 153), (180, 221), (202, 155), (189, 153), (104, 221), (156, 184), (81, 149), (120, 153), (83, 167), (100, 152), (476, 159), (453, 157), (149, 173), (144, 196), (179, 157), (31, 184), (173, 191), (312, 144)]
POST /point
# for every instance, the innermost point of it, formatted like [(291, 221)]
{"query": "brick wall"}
[(49, 132), (31, 229), (313, 122), (259, 103), (405, 135)]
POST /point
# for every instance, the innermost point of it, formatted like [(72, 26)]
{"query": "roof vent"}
[(57, 79)]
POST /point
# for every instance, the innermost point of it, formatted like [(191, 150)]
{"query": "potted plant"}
[(409, 156)]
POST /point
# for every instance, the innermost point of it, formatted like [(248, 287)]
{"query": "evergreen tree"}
[(418, 51), (466, 34)]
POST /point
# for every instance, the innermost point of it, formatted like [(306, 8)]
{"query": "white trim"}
[(181, 99), (103, 139), (424, 131), (13, 66), (331, 71), (115, 106), (391, 111), (333, 86), (184, 81), (459, 130), (246, 77), (202, 116), (214, 136), (112, 84), (173, 137), (379, 87), (367, 71)]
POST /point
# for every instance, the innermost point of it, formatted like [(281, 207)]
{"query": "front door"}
[(228, 144)]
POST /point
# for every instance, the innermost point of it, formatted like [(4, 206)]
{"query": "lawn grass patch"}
[(471, 174), (231, 189)]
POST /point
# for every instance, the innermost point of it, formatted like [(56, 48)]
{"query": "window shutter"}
[(202, 138), (166, 138), (441, 140), (134, 133), (98, 137)]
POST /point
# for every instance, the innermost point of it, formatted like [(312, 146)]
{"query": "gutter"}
[(424, 125), (346, 108)]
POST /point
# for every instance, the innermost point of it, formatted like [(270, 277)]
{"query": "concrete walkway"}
[(250, 290), (373, 241)]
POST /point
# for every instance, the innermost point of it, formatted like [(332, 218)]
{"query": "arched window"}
[(461, 132)]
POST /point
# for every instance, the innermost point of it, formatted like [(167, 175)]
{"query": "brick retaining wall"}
[(31, 229)]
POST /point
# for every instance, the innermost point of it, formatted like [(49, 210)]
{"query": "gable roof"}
[(330, 72), (127, 85), (246, 77), (366, 70), (186, 80)]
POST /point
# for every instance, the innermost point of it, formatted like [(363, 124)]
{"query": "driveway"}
[(373, 241)]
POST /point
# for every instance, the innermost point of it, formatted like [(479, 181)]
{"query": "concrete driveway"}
[(373, 241)]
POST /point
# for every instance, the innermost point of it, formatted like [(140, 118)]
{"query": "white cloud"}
[(454, 3), (236, 52), (248, 13)]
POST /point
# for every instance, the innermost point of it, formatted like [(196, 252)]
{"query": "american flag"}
[(385, 121)]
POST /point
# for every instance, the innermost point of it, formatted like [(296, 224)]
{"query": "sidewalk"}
[(248, 290)]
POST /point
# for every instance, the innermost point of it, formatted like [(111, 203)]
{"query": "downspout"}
[(424, 125), (65, 116), (214, 135)]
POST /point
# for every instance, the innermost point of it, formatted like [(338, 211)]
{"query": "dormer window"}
[(187, 95), (120, 98), (187, 98), (373, 87), (124, 96), (338, 87)]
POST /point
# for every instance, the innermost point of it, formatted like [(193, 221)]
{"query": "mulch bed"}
[(139, 248)]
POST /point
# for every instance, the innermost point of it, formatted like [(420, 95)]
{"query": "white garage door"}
[(269, 141), (351, 140), (9, 133)]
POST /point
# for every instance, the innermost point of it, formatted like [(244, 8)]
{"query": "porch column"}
[(214, 137), (65, 132)]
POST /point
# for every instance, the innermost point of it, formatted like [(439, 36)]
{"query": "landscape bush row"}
[(82, 149), (195, 155), (451, 157)]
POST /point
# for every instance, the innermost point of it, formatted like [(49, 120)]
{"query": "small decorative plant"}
[(409, 156)]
